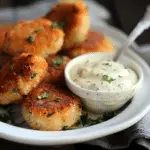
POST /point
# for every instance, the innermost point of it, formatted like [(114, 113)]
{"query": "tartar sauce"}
[(103, 75)]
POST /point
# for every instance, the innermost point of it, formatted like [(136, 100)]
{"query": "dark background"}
[(125, 15)]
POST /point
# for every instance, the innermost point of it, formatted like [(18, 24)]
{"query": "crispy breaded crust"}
[(74, 15), (60, 108), (3, 30), (56, 67), (95, 42), (35, 37), (20, 76)]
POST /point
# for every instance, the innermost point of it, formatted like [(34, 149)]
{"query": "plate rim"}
[(44, 139)]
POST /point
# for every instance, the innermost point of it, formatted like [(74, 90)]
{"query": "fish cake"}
[(50, 108), (73, 17), (56, 67), (95, 42), (36, 37), (19, 76)]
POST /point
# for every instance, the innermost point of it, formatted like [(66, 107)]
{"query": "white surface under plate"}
[(132, 114)]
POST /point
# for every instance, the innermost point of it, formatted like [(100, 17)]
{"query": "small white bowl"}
[(100, 101)]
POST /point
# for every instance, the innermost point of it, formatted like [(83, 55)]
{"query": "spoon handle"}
[(138, 30)]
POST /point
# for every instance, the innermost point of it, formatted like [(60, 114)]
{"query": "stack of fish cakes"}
[(34, 55)]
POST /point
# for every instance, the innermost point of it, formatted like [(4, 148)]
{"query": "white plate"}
[(133, 113)]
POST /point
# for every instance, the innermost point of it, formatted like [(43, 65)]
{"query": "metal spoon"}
[(138, 30)]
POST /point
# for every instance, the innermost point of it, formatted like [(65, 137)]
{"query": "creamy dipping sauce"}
[(103, 75)]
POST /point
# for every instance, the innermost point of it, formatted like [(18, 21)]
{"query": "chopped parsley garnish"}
[(15, 91), (75, 80), (106, 64), (57, 99), (54, 25), (78, 42), (58, 25), (12, 67), (108, 78), (86, 121), (58, 61), (94, 121), (44, 96), (39, 29), (49, 114), (30, 39), (33, 75)]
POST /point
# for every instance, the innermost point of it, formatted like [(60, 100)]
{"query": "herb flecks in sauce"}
[(107, 64), (108, 78), (75, 80), (107, 75)]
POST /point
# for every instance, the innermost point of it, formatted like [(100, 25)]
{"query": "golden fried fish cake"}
[(73, 17), (8, 87), (50, 108), (20, 76), (95, 42), (56, 67), (36, 37), (3, 30)]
